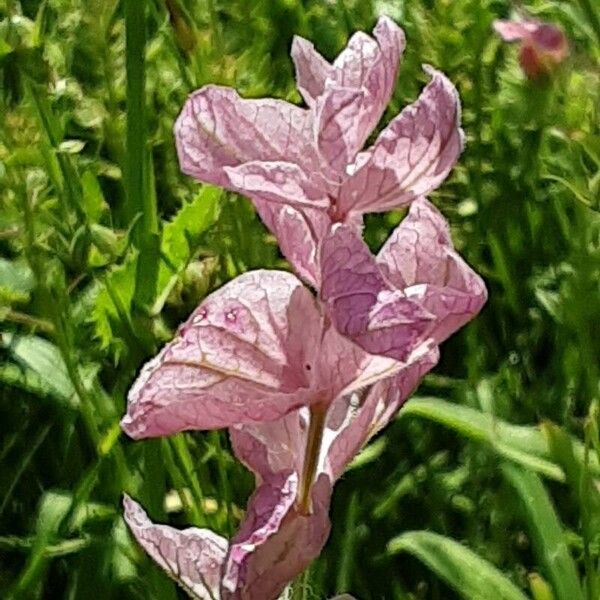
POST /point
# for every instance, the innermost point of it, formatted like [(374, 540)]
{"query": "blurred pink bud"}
[(543, 45)]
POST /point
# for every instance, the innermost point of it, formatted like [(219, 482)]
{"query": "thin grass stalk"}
[(139, 181), (135, 39)]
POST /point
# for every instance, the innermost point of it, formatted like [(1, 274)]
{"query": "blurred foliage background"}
[(485, 486)]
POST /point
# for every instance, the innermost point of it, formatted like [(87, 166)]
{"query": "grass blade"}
[(471, 576), (525, 445), (546, 532)]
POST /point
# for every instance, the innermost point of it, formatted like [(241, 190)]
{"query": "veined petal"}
[(392, 41), (217, 128), (312, 70), (357, 92), (413, 154), (420, 259), (277, 181), (353, 64), (269, 448), (298, 231), (363, 305), (371, 64), (391, 394), (275, 543), (345, 366), (340, 127), (192, 557), (239, 358)]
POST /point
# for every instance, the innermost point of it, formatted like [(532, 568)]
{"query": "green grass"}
[(105, 247)]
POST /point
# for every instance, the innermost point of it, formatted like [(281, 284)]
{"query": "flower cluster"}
[(304, 378)]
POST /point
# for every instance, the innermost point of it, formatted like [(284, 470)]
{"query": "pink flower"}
[(301, 382), (253, 351), (417, 291), (543, 46), (303, 168), (300, 400), (296, 460)]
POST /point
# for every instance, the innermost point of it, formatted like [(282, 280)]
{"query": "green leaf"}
[(43, 363), (179, 241), (5, 48), (53, 509), (16, 281), (546, 532), (60, 548), (113, 299), (181, 237), (370, 453), (577, 473), (471, 576), (92, 198), (525, 445)]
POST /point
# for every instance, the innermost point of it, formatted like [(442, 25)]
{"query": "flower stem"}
[(316, 426)]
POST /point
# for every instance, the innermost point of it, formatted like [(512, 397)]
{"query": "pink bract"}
[(278, 538), (543, 45), (409, 298), (303, 382), (303, 168), (254, 350)]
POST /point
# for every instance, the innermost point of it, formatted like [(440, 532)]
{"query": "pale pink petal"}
[(344, 366), (298, 233), (514, 31), (292, 205), (217, 128), (193, 557), (413, 154), (239, 358), (281, 182), (269, 448), (420, 259), (367, 413), (312, 70), (371, 64), (353, 65), (392, 42), (392, 394), (275, 542), (363, 305), (357, 92), (381, 78), (340, 126)]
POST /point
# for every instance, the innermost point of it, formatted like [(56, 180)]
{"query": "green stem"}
[(300, 585), (224, 488), (135, 39), (141, 198), (318, 412)]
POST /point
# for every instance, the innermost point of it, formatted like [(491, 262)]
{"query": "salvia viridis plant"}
[(304, 369)]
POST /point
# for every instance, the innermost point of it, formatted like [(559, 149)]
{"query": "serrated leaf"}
[(113, 301), (179, 239), (471, 576)]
